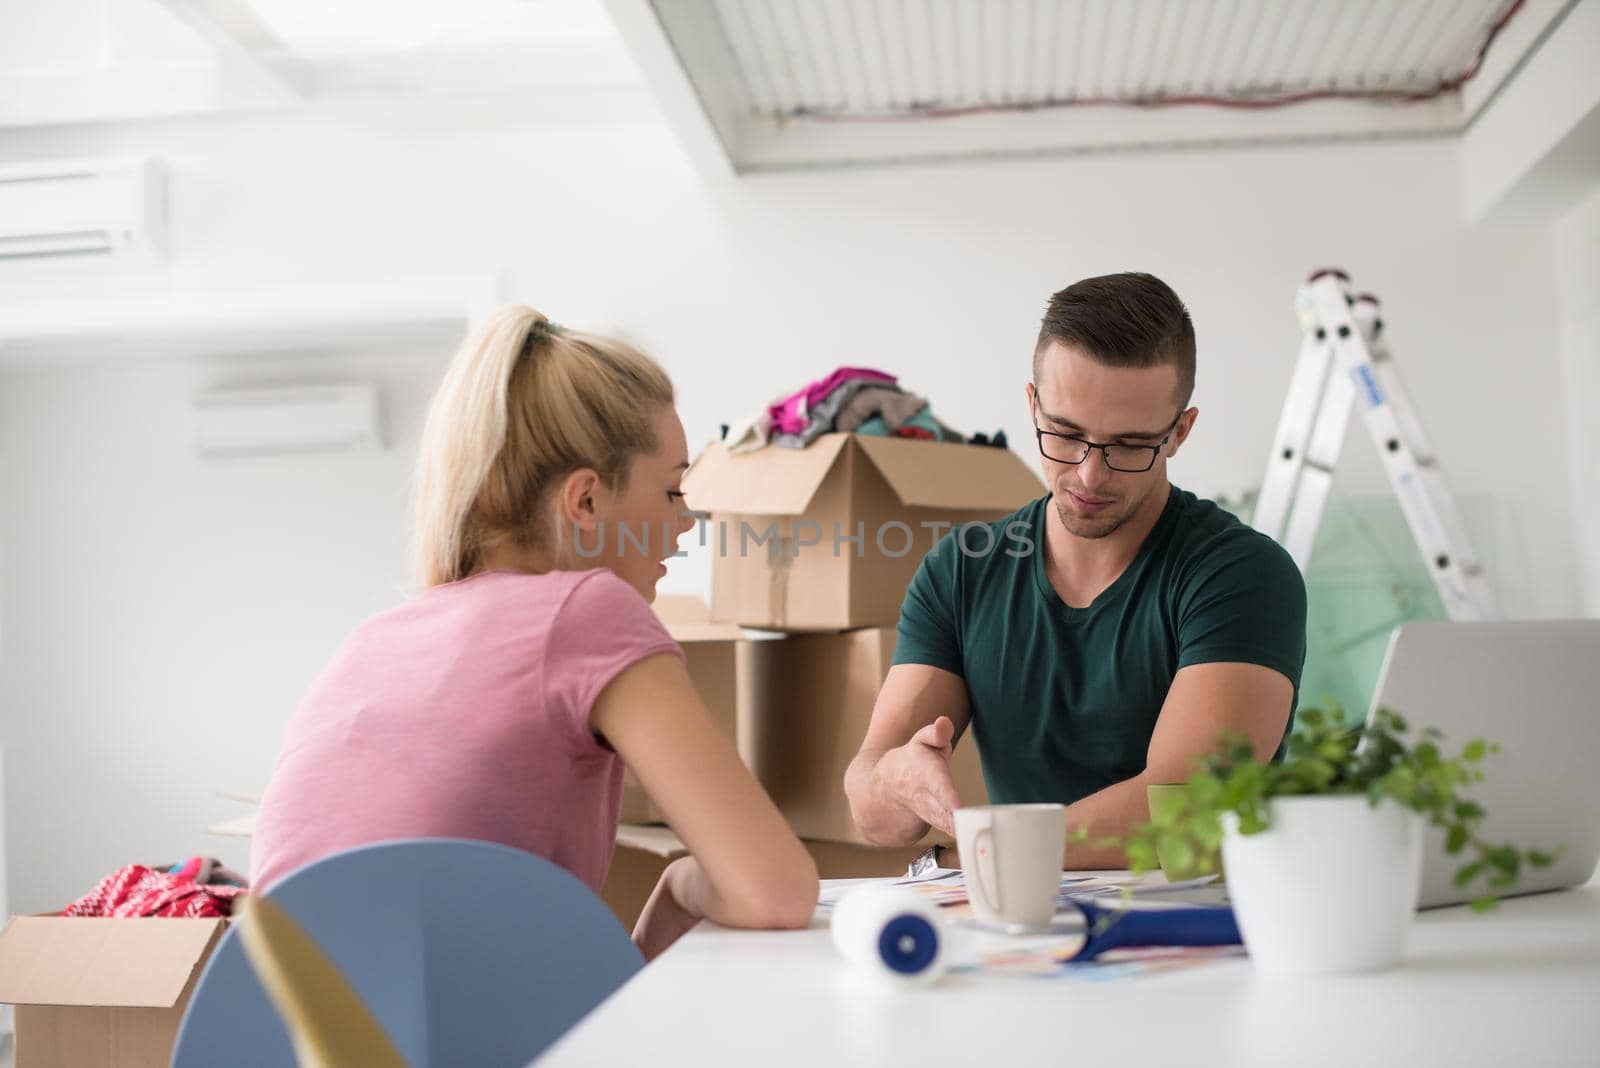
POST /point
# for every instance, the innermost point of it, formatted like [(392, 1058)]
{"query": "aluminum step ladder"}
[(1344, 360)]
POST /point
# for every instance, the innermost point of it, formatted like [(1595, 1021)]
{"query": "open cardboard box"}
[(643, 853), (781, 519), (97, 992)]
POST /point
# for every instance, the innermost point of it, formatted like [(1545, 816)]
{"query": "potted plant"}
[(1323, 850)]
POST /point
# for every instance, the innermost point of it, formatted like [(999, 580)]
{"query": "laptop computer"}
[(1534, 688)]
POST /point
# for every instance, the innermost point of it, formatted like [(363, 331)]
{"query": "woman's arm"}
[(746, 868)]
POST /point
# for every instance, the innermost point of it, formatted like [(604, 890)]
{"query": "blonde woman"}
[(502, 703)]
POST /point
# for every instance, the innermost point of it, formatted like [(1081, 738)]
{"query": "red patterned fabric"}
[(140, 891)]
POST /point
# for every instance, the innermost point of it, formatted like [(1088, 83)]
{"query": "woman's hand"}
[(664, 919)]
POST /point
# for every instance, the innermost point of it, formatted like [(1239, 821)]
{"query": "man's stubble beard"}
[(1091, 528)]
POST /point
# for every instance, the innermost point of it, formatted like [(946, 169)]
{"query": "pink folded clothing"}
[(789, 414), (195, 889)]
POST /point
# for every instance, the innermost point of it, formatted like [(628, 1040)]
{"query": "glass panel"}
[(1366, 578)]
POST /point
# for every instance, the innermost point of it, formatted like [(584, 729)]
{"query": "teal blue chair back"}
[(465, 952)]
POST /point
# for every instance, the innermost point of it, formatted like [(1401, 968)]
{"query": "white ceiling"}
[(797, 83), (853, 58), (66, 61), (770, 84)]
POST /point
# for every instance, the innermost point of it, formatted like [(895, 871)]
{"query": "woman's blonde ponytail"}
[(523, 403)]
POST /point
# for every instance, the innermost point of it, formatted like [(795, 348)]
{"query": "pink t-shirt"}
[(464, 714)]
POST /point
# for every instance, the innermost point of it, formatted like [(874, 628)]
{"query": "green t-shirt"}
[(1064, 700)]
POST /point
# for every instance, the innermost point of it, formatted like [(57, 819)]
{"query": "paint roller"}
[(890, 932)]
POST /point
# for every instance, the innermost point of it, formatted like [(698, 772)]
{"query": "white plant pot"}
[(1330, 887)]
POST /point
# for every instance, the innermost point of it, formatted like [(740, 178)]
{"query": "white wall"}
[(1577, 235), (160, 616), (163, 613), (1540, 138)]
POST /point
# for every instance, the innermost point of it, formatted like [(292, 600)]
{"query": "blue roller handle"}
[(1110, 928)]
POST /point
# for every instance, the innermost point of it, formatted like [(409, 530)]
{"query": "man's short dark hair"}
[(1122, 320)]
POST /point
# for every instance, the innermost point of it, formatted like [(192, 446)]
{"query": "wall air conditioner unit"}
[(279, 421), (82, 209)]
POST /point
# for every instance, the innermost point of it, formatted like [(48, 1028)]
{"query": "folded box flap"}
[(658, 840), (770, 481), (674, 608), (122, 963), (685, 633), (929, 474), (238, 827)]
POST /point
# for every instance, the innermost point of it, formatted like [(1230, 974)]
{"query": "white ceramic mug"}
[(1012, 855)]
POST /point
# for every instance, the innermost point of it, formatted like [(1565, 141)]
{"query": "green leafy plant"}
[(1327, 757)]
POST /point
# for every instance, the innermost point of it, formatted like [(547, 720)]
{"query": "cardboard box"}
[(94, 992), (809, 702), (782, 520), (643, 853), (846, 860), (673, 608), (711, 653)]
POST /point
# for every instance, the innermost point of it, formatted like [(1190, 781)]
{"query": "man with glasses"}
[(1112, 629)]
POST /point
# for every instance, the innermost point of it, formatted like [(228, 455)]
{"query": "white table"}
[(1518, 986)]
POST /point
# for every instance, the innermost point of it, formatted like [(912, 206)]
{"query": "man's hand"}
[(917, 775), (900, 783)]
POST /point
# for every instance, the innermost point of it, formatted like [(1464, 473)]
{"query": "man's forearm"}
[(881, 819), (1111, 812)]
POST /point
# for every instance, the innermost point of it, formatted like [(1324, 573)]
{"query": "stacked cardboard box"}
[(812, 698), (826, 538), (820, 543), (815, 547)]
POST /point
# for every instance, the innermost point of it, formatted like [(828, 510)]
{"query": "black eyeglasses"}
[(1071, 449)]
